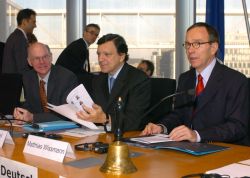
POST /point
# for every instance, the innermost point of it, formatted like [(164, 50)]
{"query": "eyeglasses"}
[(195, 45), (93, 33), (45, 57)]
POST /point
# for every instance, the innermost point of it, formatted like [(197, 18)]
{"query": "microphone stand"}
[(188, 92), (118, 133), (4, 118)]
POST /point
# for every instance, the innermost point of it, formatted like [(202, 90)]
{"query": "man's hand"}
[(94, 114), (151, 129), (22, 114), (181, 133)]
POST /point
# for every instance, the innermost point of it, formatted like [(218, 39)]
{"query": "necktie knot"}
[(200, 85)]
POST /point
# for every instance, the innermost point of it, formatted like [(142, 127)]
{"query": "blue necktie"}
[(111, 83)]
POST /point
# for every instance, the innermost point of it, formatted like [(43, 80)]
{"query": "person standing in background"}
[(15, 50), (75, 56)]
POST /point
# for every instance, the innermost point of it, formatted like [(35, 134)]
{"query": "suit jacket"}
[(61, 81), (74, 56), (221, 113), (15, 53), (133, 86)]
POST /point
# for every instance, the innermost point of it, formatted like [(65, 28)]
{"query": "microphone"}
[(190, 92), (4, 118)]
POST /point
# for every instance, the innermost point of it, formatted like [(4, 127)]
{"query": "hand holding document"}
[(75, 99)]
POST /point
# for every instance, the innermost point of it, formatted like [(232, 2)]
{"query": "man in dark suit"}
[(75, 56), (15, 50), (220, 109), (117, 79), (58, 83)]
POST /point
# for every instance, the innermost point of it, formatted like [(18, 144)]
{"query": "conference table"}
[(150, 163)]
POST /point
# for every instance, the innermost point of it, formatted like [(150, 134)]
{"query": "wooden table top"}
[(150, 164)]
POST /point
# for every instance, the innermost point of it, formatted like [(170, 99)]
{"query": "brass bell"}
[(118, 161)]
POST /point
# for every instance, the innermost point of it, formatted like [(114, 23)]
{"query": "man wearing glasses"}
[(44, 83), (75, 56), (219, 110)]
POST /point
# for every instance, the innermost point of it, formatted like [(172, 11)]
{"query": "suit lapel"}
[(51, 83), (118, 85), (211, 88)]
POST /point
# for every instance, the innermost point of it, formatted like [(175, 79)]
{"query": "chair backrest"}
[(1, 55), (249, 108), (10, 92), (160, 88)]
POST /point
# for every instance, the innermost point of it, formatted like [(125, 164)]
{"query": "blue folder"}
[(51, 126), (196, 149)]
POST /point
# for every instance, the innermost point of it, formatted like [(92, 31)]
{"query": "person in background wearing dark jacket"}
[(75, 57), (15, 50)]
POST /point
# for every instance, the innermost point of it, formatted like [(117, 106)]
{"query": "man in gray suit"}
[(58, 83), (15, 50)]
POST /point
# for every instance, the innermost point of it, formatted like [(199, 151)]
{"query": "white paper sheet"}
[(69, 111), (233, 170), (152, 139), (75, 99), (82, 132)]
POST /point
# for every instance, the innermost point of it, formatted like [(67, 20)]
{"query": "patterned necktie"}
[(111, 83), (43, 96), (200, 86)]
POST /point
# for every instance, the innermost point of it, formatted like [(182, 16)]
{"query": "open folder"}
[(75, 99), (161, 142)]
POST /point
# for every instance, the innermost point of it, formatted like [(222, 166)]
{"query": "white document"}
[(247, 162), (152, 139), (5, 138), (233, 170), (48, 148), (75, 99), (82, 132), (16, 169), (79, 96)]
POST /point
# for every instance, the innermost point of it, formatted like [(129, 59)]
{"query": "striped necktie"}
[(43, 96)]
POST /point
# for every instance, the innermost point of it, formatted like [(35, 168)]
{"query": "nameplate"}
[(5, 138), (48, 148), (10, 168)]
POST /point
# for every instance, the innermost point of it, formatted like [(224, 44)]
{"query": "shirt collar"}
[(46, 78), (117, 72), (86, 43), (207, 72), (25, 35)]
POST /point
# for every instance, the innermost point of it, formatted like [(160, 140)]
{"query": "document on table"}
[(83, 132), (233, 170), (152, 139)]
